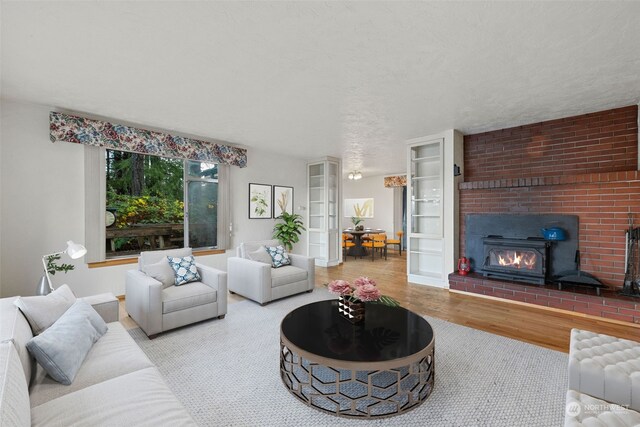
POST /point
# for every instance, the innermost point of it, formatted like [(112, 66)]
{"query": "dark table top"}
[(365, 231), (387, 333)]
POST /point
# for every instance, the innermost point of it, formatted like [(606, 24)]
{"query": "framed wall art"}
[(282, 200), (361, 208), (259, 201)]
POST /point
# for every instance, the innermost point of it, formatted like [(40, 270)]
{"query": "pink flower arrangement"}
[(340, 287), (361, 281), (364, 289), (367, 293)]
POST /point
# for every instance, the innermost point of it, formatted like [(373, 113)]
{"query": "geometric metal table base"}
[(394, 387)]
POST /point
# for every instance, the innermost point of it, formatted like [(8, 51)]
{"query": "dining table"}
[(357, 250)]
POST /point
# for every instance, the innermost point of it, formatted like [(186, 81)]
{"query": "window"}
[(155, 202)]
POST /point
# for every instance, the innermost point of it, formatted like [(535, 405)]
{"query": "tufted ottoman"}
[(605, 367), (584, 410)]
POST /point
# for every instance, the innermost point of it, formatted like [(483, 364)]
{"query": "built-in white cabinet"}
[(432, 207), (323, 222)]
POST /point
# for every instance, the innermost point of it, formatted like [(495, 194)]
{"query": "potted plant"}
[(52, 266), (44, 285), (357, 220), (289, 230)]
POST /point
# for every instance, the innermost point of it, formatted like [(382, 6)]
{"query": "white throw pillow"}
[(162, 272), (62, 348), (42, 311), (260, 255)]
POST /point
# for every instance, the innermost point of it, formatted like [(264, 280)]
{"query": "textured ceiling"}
[(353, 80)]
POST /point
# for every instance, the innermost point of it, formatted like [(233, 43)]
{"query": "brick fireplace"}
[(584, 166)]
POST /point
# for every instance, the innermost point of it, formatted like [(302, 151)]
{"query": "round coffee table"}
[(380, 367)]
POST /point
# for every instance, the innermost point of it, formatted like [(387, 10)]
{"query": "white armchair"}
[(158, 307), (260, 282)]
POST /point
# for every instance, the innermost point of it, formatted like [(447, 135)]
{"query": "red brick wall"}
[(601, 201), (584, 165), (598, 142)]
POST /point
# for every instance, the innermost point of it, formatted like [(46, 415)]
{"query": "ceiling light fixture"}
[(355, 175)]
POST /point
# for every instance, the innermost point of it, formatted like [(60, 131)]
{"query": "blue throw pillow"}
[(62, 348), (279, 256), (185, 269)]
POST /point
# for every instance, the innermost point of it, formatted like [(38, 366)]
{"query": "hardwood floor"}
[(527, 323)]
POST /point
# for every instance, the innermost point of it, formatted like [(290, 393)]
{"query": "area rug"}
[(226, 373)]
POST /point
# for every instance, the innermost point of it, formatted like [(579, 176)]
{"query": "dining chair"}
[(378, 241), (346, 244), (397, 241)]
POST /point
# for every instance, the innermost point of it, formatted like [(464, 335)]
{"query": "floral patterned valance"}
[(395, 181), (65, 127)]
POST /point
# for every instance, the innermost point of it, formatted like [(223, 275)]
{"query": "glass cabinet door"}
[(332, 196), (426, 189), (316, 196), (432, 211), (324, 209)]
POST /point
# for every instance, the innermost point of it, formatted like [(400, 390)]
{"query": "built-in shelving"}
[(424, 178), (324, 179), (432, 214), (434, 158)]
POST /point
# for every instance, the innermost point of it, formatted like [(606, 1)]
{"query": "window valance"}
[(98, 133), (395, 181)]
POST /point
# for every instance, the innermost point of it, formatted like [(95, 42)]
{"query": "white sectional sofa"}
[(117, 384), (604, 381)]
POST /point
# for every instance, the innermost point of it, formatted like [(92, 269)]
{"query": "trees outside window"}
[(147, 195)]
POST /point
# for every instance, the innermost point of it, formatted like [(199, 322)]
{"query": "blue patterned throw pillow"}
[(185, 269), (279, 256)]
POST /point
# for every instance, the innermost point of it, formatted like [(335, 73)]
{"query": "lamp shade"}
[(75, 250)]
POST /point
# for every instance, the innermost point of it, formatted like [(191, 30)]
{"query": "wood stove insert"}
[(520, 260)]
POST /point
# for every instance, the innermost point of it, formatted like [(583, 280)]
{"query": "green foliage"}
[(355, 220), (260, 203), (161, 177), (145, 209), (385, 300), (52, 267), (289, 230), (132, 210), (160, 201)]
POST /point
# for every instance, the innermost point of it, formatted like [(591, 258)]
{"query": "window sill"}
[(134, 260)]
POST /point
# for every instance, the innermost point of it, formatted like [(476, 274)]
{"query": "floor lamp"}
[(74, 250)]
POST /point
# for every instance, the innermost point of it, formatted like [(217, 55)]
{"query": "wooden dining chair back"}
[(397, 241), (379, 242), (346, 244)]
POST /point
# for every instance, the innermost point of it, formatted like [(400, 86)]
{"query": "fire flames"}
[(516, 259)]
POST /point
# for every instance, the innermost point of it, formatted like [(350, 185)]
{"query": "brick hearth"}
[(585, 166), (580, 299)]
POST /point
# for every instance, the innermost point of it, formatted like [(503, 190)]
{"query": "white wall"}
[(272, 169), (42, 204), (0, 194), (366, 187)]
